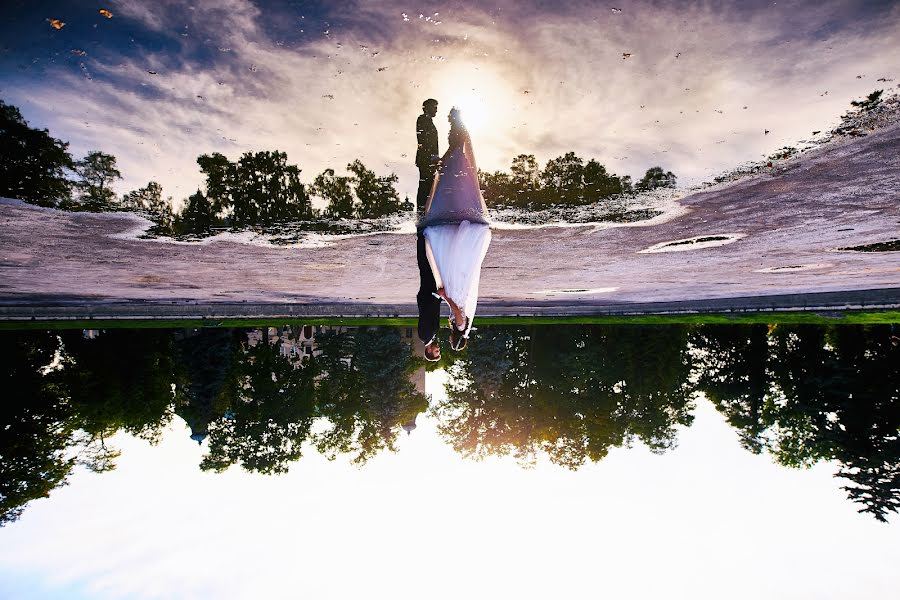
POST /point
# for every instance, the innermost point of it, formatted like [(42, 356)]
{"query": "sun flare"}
[(481, 95)]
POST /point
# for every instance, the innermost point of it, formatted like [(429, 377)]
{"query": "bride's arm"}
[(438, 282)]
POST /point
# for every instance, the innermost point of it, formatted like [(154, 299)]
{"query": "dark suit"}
[(426, 158), (429, 306)]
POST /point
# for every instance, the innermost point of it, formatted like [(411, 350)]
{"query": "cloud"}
[(333, 84)]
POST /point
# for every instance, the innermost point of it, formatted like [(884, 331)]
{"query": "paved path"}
[(787, 224)]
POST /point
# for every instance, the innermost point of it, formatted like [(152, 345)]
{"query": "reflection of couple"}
[(452, 235)]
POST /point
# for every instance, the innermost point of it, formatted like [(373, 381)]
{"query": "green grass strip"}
[(787, 318)]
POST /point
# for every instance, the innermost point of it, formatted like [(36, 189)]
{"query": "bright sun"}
[(477, 92)]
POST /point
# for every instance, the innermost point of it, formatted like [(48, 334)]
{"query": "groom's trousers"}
[(426, 179)]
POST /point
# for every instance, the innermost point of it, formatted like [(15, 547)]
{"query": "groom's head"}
[(433, 350), (429, 107)]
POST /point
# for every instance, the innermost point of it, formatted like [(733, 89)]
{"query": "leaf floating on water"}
[(56, 23), (105, 13)]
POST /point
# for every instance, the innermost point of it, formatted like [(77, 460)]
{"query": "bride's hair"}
[(456, 117)]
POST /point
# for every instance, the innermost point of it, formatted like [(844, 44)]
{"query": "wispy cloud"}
[(343, 83)]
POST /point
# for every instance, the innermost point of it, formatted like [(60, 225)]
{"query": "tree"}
[(197, 215), (524, 179), (563, 180), (655, 178), (149, 199), (36, 429), (376, 196), (121, 381), (220, 175), (334, 189), (32, 163), (271, 407), (261, 188), (810, 393), (496, 188), (571, 393), (364, 391), (97, 171)]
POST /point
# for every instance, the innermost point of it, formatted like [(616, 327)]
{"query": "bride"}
[(456, 230)]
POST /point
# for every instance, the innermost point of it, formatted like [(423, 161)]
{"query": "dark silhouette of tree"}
[(365, 392), (197, 215), (571, 393), (812, 393), (120, 381), (36, 429), (271, 407), (261, 188), (205, 360), (149, 200), (840, 401), (96, 173), (376, 196), (32, 163), (734, 374), (336, 190), (220, 176), (655, 178), (565, 181)]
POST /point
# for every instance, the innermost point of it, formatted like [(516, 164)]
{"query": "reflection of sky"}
[(332, 81), (423, 523)]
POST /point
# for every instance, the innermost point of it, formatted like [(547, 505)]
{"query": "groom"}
[(426, 152), (427, 159)]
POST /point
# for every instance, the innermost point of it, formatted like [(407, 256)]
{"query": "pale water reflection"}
[(604, 451)]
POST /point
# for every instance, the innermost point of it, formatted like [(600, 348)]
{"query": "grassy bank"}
[(794, 317)]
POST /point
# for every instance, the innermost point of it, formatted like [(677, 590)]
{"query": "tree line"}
[(564, 180), (263, 188), (260, 188), (255, 405), (801, 393)]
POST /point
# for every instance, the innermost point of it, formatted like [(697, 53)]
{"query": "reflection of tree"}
[(569, 392), (35, 423), (271, 406), (812, 393), (120, 381), (206, 358), (735, 379), (365, 393)]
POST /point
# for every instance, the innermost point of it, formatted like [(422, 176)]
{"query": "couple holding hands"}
[(453, 232)]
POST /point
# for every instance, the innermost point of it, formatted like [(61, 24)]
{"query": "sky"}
[(158, 83), (705, 520)]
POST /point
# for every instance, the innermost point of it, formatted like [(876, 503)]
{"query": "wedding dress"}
[(456, 226)]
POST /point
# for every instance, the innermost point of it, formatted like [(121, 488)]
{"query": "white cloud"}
[(325, 102)]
